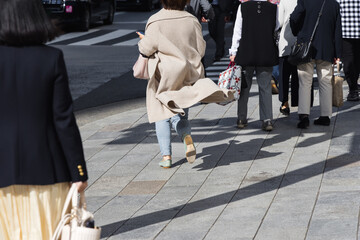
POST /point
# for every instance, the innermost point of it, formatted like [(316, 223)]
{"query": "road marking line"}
[(68, 36), (103, 38)]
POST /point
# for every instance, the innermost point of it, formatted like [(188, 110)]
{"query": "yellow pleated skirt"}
[(31, 212)]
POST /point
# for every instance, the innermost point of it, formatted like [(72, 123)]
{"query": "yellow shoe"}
[(190, 149)]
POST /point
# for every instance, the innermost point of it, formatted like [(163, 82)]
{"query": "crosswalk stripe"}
[(88, 35), (102, 38), (216, 68), (120, 37), (72, 35)]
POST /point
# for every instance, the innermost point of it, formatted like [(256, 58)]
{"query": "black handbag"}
[(301, 52)]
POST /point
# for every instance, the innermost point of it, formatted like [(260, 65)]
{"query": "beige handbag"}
[(337, 88), (140, 68), (73, 224)]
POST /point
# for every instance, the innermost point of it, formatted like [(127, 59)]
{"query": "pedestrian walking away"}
[(286, 40), (222, 10), (41, 150), (174, 43), (254, 48), (326, 46), (201, 9), (350, 20)]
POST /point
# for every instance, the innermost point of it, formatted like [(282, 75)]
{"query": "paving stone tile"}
[(187, 179), (86, 134), (237, 222), (90, 152), (116, 127), (333, 229), (142, 188), (96, 143), (104, 135)]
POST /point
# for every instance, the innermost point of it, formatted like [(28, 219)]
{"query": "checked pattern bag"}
[(231, 79)]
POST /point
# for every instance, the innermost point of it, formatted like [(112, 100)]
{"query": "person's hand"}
[(204, 20), (81, 186), (141, 36), (232, 58)]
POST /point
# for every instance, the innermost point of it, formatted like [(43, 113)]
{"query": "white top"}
[(287, 39), (237, 31)]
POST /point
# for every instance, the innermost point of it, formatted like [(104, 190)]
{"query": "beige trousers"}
[(324, 73)]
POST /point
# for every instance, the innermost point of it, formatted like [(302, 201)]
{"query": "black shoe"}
[(285, 111), (304, 122), (353, 96), (267, 126), (325, 121), (241, 124)]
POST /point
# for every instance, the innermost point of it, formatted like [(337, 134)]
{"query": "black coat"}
[(327, 38), (225, 6), (39, 142)]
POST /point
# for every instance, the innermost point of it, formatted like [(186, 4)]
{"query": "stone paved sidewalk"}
[(245, 184)]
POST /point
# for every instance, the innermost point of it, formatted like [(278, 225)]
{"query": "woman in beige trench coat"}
[(174, 43)]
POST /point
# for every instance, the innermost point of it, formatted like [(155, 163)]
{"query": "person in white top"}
[(254, 48), (286, 41)]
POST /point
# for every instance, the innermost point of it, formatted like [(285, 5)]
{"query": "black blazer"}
[(225, 6), (327, 39), (39, 142)]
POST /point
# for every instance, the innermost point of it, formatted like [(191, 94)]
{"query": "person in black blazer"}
[(222, 9), (326, 47), (40, 144)]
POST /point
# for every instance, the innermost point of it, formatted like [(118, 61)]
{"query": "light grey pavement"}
[(245, 184)]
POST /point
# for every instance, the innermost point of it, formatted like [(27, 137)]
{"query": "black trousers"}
[(217, 31), (285, 71), (351, 61)]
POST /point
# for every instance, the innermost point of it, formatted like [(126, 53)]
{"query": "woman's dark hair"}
[(174, 4), (25, 22)]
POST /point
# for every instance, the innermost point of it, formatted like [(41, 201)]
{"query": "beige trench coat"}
[(175, 43)]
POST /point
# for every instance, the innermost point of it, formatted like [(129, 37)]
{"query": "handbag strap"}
[(72, 197), (317, 21), (64, 220), (231, 64), (69, 198)]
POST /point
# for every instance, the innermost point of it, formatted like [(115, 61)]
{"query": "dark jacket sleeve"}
[(297, 18), (338, 35), (226, 6), (207, 9), (65, 124)]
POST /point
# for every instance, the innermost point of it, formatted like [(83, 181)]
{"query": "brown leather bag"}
[(337, 88)]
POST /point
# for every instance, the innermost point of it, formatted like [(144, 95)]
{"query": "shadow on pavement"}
[(270, 184)]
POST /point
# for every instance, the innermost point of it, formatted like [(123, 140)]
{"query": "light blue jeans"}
[(179, 123)]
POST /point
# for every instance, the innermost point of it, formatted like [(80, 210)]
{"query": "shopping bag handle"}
[(231, 64)]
